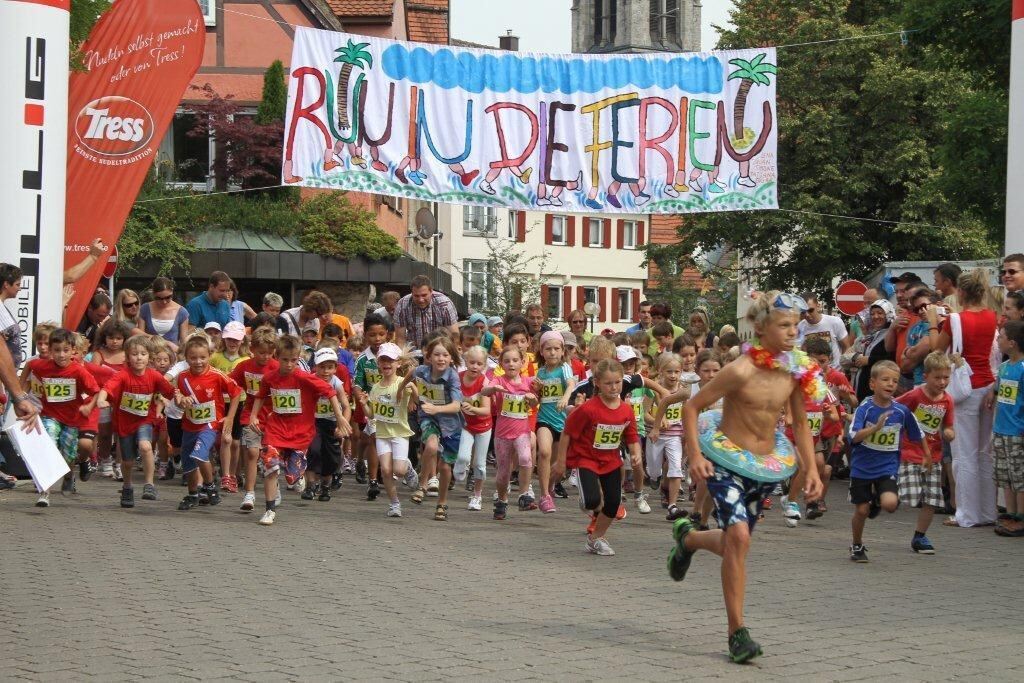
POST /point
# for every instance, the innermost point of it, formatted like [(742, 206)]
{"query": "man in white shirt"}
[(814, 324)]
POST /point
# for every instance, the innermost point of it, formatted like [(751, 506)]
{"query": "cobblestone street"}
[(336, 591)]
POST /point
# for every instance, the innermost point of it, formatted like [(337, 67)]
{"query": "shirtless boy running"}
[(739, 453)]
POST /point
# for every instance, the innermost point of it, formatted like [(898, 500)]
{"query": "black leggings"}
[(596, 487)]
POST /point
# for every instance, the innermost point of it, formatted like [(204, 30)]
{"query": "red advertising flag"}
[(141, 56)]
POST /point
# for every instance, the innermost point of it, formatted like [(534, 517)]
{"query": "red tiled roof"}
[(427, 20), (361, 8)]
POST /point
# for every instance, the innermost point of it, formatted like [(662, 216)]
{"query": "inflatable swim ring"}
[(716, 446)]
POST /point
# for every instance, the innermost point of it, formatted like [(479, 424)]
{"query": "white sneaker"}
[(475, 503), (268, 518), (573, 480), (106, 469), (642, 506), (44, 500), (432, 487), (394, 510), (117, 473), (277, 501), (599, 546), (529, 492), (411, 478), (300, 485), (792, 514), (248, 501)]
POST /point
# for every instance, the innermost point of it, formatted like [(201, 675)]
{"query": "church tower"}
[(614, 26)]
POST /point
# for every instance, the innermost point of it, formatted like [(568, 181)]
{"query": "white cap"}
[(234, 330), (324, 355), (212, 324), (389, 350), (624, 353)]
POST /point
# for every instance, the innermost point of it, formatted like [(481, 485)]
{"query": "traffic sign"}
[(850, 297), (111, 266)]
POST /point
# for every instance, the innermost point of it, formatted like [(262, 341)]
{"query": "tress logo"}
[(114, 126)]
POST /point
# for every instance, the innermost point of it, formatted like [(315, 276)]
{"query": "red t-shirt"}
[(249, 374), (131, 399), (475, 424), (64, 389), (208, 390), (579, 368), (933, 417), (979, 331), (596, 432), (102, 375), (292, 419), (837, 382)]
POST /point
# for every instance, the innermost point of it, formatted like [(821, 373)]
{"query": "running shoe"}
[(127, 497), (161, 470), (373, 490), (107, 469), (232, 484), (188, 502), (43, 501), (599, 546), (117, 472), (621, 513), (922, 545), (433, 486), (743, 648), (675, 512), (308, 494), (67, 487), (361, 477), (791, 512), (212, 495), (766, 504), (83, 470), (394, 510), (560, 491), (475, 503), (470, 483), (858, 553), (224, 482), (277, 499), (547, 504), (325, 494), (679, 558), (642, 506), (349, 467), (248, 502), (148, 492), (203, 495), (527, 503), (411, 478), (814, 510), (268, 518), (529, 491), (336, 481), (500, 509), (169, 471)]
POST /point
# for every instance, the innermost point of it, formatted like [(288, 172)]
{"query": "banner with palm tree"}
[(646, 133)]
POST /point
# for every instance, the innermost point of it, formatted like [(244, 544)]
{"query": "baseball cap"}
[(494, 320), (624, 353), (324, 355), (312, 326), (212, 325), (569, 339), (234, 330), (907, 277), (389, 350)]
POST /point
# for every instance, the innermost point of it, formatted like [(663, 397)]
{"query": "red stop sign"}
[(850, 297), (111, 265)]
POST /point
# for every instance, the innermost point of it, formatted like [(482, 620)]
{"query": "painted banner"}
[(645, 133), (34, 116), (140, 57)]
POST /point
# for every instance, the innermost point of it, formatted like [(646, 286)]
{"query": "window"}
[(596, 230), (590, 295), (555, 302), (209, 10), (183, 158), (625, 305), (558, 229), (664, 21), (513, 222), (477, 283), (479, 221), (629, 231)]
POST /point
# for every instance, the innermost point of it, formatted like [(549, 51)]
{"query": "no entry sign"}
[(850, 297), (111, 265)]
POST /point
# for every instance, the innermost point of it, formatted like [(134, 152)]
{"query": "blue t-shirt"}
[(1009, 403), (346, 358), (916, 333), (553, 386), (439, 391), (201, 311), (878, 455)]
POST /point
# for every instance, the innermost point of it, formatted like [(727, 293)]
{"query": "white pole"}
[(1015, 164)]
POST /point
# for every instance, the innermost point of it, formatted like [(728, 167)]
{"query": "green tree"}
[(331, 225), (275, 95), (84, 15)]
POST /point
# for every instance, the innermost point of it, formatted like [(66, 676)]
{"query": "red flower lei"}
[(796, 363)]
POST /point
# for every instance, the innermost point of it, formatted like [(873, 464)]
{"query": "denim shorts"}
[(195, 448), (128, 446)]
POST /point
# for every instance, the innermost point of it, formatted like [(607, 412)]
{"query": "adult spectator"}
[(315, 305), (918, 346), (1013, 306), (127, 306), (488, 340), (273, 303), (946, 276), (24, 407), (163, 316), (896, 338), (421, 312), (212, 305), (240, 311), (77, 271), (644, 323), (10, 285), (96, 313), (816, 324), (535, 320), (870, 348), (578, 326), (1012, 273), (663, 313), (972, 422), (700, 329)]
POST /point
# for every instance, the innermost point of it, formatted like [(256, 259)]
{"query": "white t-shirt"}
[(830, 328)]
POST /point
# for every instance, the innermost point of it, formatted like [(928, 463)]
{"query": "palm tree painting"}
[(351, 56), (750, 73)]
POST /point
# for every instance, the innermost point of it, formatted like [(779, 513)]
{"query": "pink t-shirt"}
[(512, 412)]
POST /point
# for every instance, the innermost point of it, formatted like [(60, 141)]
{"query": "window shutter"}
[(620, 233), (602, 294), (548, 228), (544, 298), (607, 233), (570, 232), (581, 298), (585, 234), (640, 234), (636, 306), (521, 226), (566, 301)]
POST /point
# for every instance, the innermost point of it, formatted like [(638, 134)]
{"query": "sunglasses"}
[(1008, 271), (790, 302), (165, 299), (130, 304)]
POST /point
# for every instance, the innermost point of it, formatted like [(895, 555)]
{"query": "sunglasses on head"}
[(1008, 271), (790, 302)]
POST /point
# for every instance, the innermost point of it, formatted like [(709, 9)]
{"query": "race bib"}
[(930, 418), (384, 412), (252, 383), (551, 390), (203, 413), (814, 421), (372, 377), (286, 401), (674, 413), (608, 437), (59, 389), (324, 410), (35, 387), (515, 406), (136, 404), (886, 439), (638, 408), (1007, 392), (431, 393)]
